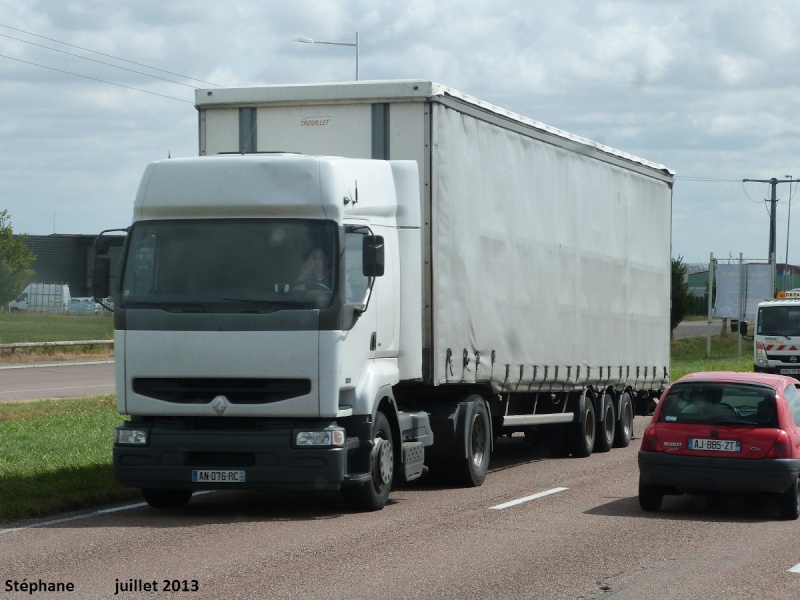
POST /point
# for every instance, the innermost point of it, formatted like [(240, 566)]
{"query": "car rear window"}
[(720, 403)]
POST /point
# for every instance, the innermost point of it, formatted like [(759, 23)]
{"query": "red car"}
[(724, 432)]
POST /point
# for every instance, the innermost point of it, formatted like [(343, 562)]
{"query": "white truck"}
[(476, 274), (44, 298), (777, 335)]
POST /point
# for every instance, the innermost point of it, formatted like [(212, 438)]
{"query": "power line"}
[(108, 56), (706, 179), (95, 79), (95, 61)]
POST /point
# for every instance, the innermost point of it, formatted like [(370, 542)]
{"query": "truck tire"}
[(374, 494), (166, 499), (471, 471), (606, 429), (624, 431), (583, 429)]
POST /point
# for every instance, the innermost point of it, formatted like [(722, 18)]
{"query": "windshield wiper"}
[(275, 303)]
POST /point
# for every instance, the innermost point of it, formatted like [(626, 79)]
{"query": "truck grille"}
[(198, 390)]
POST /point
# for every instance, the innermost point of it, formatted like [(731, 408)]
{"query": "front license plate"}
[(215, 476), (790, 371), (715, 445)]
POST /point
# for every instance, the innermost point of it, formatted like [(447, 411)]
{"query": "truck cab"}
[(777, 335), (257, 327)]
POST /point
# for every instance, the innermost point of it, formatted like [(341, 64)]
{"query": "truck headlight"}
[(326, 437), (761, 355), (130, 437)]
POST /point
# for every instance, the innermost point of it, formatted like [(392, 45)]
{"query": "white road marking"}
[(96, 513), (795, 569), (529, 498), (61, 387), (55, 364)]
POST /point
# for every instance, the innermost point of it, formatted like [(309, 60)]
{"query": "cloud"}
[(707, 88)]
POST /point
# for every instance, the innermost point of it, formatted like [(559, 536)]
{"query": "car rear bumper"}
[(717, 474)]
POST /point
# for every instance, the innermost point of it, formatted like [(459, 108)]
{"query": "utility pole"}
[(773, 201)]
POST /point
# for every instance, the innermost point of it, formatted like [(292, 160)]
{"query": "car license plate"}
[(790, 371), (715, 445), (215, 476)]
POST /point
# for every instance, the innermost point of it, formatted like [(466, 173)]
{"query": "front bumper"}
[(694, 474), (779, 370), (266, 455)]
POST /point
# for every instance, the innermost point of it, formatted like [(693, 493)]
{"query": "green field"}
[(20, 327), (55, 455)]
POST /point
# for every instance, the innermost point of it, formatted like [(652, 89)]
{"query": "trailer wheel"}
[(624, 433), (166, 499), (471, 471), (374, 494), (583, 428), (606, 429)]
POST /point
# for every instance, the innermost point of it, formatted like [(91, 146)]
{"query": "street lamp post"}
[(305, 40)]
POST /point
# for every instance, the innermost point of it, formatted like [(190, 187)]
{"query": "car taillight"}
[(650, 440), (782, 448)]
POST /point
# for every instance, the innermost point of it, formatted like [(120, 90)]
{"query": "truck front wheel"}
[(166, 498), (374, 494)]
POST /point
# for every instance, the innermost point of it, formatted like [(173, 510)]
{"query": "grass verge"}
[(55, 455), (22, 327), (689, 355)]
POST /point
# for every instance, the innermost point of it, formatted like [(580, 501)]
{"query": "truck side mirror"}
[(742, 327), (373, 259), (101, 276)]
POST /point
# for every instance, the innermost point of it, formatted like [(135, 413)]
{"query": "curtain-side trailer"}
[(487, 274)]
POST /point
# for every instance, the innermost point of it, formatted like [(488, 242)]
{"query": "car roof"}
[(769, 379)]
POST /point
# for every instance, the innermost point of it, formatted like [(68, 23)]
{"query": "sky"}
[(91, 91)]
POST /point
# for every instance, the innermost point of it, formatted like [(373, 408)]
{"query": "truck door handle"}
[(373, 342)]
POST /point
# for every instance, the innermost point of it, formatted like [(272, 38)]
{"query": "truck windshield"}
[(234, 265), (779, 320)]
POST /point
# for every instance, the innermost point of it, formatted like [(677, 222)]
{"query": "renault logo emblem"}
[(793, 359), (219, 404)]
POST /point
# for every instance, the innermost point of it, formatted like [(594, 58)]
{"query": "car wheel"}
[(650, 497), (789, 502)]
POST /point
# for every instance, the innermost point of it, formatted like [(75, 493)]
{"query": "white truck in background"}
[(777, 335), (488, 274), (44, 298)]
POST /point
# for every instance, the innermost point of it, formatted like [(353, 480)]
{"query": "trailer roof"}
[(388, 91)]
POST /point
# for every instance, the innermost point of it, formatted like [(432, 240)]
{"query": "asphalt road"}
[(540, 527), (55, 380), (696, 328), (583, 537)]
